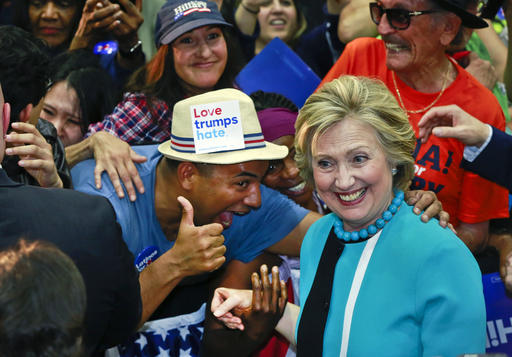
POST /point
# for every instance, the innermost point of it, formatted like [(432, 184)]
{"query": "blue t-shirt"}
[(247, 237)]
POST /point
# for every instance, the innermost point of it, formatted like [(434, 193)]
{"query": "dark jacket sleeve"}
[(495, 161)]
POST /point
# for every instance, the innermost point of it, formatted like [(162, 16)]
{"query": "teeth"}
[(394, 47), (277, 22), (352, 197), (298, 188)]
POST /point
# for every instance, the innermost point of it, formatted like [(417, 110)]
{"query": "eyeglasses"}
[(399, 19)]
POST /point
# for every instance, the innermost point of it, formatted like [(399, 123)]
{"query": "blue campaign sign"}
[(499, 315), (280, 70)]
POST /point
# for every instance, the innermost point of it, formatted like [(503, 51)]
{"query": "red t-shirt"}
[(465, 196)]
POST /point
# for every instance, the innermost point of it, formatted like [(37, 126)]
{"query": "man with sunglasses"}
[(410, 59)]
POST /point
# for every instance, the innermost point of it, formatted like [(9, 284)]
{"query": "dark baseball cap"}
[(177, 17)]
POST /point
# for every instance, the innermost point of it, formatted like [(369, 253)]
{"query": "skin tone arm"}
[(220, 341), (35, 153), (496, 47), (113, 156), (503, 244), (355, 21), (507, 78), (246, 19), (452, 122), (234, 307), (195, 251)]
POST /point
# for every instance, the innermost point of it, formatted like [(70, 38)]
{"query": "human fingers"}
[(276, 289), (35, 164), (111, 172), (256, 291), (129, 7), (452, 228), (104, 11), (133, 172), (25, 139), (284, 296), (32, 151), (506, 273), (187, 216), (126, 175), (444, 219), (228, 304), (266, 287), (225, 300)]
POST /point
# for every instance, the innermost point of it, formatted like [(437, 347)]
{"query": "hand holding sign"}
[(198, 249)]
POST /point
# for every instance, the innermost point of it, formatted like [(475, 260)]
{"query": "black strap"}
[(310, 335)]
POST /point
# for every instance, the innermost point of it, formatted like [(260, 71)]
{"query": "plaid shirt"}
[(133, 122)]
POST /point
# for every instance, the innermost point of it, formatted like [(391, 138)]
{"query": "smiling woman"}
[(371, 262), (54, 21)]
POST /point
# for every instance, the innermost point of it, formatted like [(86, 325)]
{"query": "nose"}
[(253, 198), (276, 6), (290, 170), (384, 27), (59, 126), (49, 11), (204, 49), (344, 179)]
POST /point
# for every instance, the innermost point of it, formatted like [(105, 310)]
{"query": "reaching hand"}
[(256, 312), (117, 158), (427, 202), (452, 122), (482, 70), (35, 153), (197, 249)]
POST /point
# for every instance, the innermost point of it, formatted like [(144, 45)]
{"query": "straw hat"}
[(218, 127)]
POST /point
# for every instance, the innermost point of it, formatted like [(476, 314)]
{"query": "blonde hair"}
[(363, 99)]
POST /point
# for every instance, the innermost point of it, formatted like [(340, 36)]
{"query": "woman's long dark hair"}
[(159, 80), (95, 89)]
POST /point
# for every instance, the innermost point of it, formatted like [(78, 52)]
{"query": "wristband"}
[(132, 51), (249, 10)]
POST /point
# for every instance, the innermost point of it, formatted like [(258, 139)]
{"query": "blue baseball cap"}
[(177, 17)]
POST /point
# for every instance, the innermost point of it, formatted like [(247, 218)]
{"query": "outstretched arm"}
[(197, 249), (112, 155), (246, 317)]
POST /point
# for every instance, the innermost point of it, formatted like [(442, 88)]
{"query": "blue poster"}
[(499, 315)]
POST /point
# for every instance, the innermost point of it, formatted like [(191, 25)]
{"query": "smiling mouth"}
[(49, 30), (296, 190), (226, 218), (277, 22), (204, 64), (395, 47), (353, 196)]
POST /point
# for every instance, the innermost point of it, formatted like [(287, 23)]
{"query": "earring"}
[(394, 170)]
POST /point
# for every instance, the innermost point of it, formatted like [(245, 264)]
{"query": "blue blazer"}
[(495, 161), (85, 228)]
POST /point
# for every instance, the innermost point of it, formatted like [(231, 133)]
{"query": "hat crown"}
[(218, 127), (176, 17)]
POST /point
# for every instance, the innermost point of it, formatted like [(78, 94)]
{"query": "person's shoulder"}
[(413, 232), (364, 43)]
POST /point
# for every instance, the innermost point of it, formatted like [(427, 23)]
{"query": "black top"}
[(85, 228)]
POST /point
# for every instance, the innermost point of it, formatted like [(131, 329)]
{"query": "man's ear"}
[(188, 175), (25, 113), (451, 28), (6, 117)]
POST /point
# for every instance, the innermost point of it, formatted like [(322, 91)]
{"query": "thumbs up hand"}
[(197, 249)]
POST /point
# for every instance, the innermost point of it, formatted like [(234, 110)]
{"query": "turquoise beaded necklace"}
[(372, 228)]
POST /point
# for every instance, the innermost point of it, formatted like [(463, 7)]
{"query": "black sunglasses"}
[(399, 19)]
